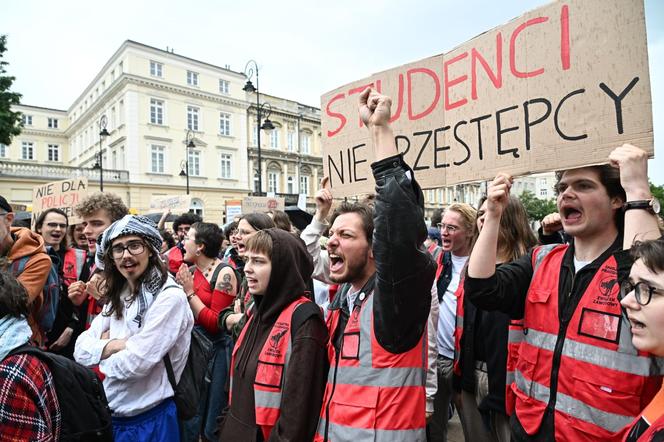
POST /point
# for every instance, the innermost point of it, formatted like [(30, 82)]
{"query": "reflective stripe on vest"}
[(369, 382), (515, 337), (602, 381), (345, 433), (271, 368), (566, 404)]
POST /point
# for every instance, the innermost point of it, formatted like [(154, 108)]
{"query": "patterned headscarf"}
[(146, 229)]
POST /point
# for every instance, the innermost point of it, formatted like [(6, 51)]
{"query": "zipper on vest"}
[(558, 349)]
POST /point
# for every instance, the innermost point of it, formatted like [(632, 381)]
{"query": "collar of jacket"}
[(340, 299)]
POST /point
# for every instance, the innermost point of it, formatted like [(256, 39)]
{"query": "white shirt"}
[(136, 378), (447, 316)]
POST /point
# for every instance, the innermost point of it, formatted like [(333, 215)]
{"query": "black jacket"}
[(506, 291), (404, 269)]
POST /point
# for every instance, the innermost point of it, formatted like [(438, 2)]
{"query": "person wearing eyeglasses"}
[(456, 232), (52, 225), (642, 297), (146, 317), (578, 375)]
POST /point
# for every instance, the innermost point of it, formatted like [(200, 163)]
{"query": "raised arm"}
[(404, 270), (313, 232), (640, 224)]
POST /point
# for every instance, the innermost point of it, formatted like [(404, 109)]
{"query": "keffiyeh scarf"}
[(146, 229)]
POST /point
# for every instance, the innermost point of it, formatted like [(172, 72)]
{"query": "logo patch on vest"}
[(279, 330), (599, 325), (606, 295)]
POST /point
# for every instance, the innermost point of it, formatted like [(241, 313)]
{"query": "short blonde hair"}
[(468, 215)]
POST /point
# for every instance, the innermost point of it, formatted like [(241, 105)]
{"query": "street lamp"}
[(103, 133), (267, 125), (189, 142)]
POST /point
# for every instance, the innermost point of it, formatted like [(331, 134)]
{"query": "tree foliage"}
[(10, 121), (535, 207)]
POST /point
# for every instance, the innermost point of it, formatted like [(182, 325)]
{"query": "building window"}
[(156, 111), (27, 120), (304, 184), (224, 123), (274, 138), (291, 141), (192, 78), (157, 158), (53, 152), (272, 182), (254, 136), (224, 87), (226, 164), (156, 69), (27, 150), (3, 150), (290, 181), (256, 182), (543, 192), (192, 118), (304, 148), (194, 163), (52, 123)]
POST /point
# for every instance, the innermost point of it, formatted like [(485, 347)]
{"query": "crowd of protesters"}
[(368, 325)]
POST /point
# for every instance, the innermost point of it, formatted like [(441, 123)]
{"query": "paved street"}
[(454, 431)]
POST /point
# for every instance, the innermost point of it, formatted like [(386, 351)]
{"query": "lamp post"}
[(249, 70), (189, 142), (103, 133)]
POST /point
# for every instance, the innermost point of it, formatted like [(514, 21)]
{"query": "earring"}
[(198, 253)]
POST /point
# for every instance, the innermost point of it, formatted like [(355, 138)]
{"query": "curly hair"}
[(110, 202), (186, 218), (13, 297)]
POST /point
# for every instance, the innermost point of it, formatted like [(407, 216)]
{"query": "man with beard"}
[(377, 322)]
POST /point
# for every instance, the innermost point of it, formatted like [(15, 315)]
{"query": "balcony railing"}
[(52, 172)]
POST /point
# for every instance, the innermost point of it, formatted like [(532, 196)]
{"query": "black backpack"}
[(83, 404)]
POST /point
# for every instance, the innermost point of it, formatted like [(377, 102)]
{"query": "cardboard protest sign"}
[(559, 87), (253, 204), (63, 195), (177, 203)]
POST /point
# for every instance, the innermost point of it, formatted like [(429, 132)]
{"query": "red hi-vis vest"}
[(514, 338), (603, 381), (72, 266), (458, 326), (271, 369), (372, 394)]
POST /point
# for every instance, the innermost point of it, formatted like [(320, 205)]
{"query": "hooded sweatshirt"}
[(304, 381), (33, 277)]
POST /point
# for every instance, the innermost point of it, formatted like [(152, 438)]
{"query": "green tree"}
[(10, 121), (657, 191), (535, 207)]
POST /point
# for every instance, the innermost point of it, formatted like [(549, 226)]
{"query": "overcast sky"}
[(303, 48)]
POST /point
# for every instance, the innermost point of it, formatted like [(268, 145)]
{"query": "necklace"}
[(209, 268)]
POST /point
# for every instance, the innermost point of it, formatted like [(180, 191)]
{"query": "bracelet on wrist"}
[(190, 295)]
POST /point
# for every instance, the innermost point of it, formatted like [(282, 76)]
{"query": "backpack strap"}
[(24, 348), (302, 313), (169, 372), (19, 265), (215, 275)]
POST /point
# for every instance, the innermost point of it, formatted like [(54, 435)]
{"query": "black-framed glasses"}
[(449, 227), (133, 247), (642, 291)]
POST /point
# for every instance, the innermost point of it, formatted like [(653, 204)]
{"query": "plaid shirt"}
[(29, 409)]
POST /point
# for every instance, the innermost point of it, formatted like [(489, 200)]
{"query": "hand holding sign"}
[(633, 165), (323, 200)]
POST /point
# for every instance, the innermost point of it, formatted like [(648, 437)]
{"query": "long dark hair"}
[(114, 282)]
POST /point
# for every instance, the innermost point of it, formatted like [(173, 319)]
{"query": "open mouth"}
[(336, 263), (129, 266), (637, 325), (570, 215)]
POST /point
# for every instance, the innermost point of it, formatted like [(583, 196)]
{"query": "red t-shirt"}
[(215, 301)]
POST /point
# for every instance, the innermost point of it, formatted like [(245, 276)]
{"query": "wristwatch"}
[(651, 205)]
